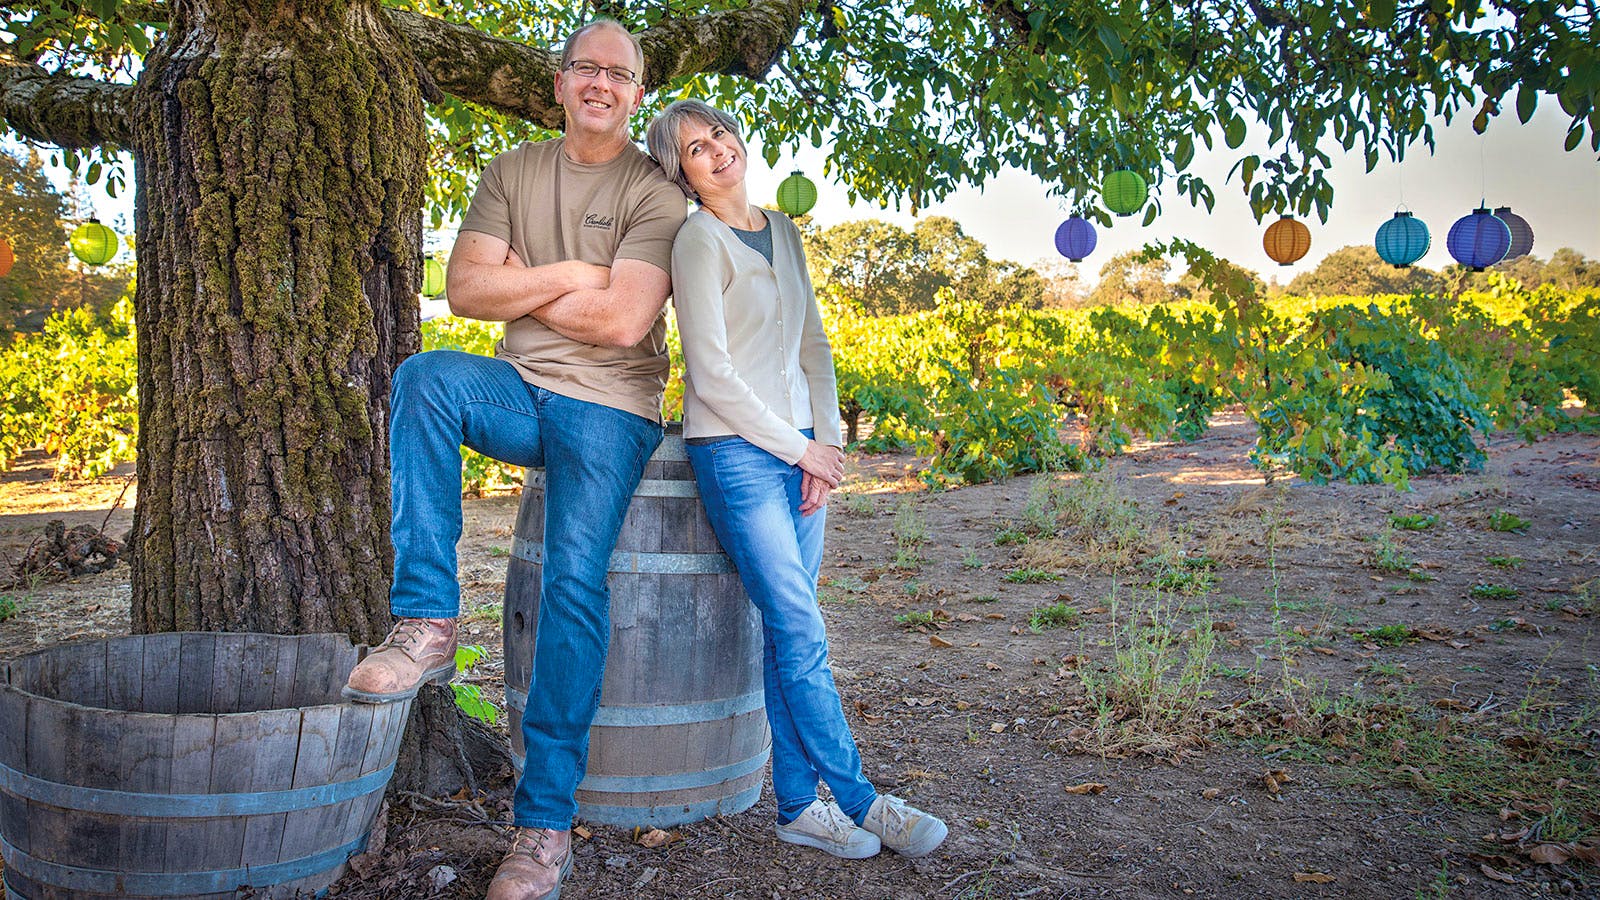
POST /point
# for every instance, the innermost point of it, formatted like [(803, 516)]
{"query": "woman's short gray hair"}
[(662, 136)]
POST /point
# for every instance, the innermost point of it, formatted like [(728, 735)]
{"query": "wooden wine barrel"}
[(188, 765), (681, 734)]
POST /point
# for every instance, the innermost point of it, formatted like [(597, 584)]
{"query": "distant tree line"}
[(881, 269)]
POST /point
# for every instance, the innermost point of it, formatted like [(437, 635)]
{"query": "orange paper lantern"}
[(1286, 240), (7, 258)]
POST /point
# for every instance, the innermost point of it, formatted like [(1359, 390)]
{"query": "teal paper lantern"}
[(94, 243), (1124, 192), (1402, 240), (796, 194), (432, 278)]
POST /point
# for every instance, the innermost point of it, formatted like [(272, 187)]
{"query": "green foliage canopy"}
[(922, 96)]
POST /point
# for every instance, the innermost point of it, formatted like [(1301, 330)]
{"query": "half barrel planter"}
[(681, 734), (188, 765)]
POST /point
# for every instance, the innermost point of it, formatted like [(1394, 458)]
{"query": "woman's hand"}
[(824, 462), (813, 493), (822, 468)]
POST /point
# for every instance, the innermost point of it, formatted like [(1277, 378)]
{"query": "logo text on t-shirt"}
[(603, 223)]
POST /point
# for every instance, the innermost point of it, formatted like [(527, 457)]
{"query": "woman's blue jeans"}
[(593, 457), (753, 501)]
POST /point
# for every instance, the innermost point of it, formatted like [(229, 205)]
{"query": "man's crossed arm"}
[(612, 307)]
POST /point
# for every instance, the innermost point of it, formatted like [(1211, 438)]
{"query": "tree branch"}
[(61, 109), (516, 79)]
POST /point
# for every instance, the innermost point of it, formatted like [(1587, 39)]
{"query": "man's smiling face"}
[(597, 105)]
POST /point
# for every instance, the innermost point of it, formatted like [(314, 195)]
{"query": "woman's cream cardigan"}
[(756, 360)]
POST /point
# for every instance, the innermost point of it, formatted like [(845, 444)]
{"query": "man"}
[(569, 243)]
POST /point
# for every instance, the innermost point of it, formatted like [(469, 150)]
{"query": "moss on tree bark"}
[(279, 154)]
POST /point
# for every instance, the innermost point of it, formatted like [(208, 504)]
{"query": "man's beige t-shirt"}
[(551, 209)]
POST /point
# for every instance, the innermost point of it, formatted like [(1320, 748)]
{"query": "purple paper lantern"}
[(1478, 240), (1521, 232), (1075, 238)]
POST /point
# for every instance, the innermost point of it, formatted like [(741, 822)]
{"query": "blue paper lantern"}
[(1075, 238), (1402, 240), (1478, 240), (1521, 232)]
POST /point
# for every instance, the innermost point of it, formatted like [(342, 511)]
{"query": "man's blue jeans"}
[(753, 501), (593, 457)]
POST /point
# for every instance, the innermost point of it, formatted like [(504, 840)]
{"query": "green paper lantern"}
[(94, 243), (432, 278), (1124, 192), (796, 195)]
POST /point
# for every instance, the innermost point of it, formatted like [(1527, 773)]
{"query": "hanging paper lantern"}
[(1286, 240), (1402, 240), (1075, 238), (432, 278), (1478, 239), (7, 258), (1124, 192), (1521, 233), (94, 243), (796, 194)]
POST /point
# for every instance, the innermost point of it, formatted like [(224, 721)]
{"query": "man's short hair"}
[(572, 43), (662, 136)]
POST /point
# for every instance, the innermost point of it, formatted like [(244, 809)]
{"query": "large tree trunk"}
[(279, 156)]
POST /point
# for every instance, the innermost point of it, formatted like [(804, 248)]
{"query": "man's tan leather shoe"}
[(534, 866), (415, 652)]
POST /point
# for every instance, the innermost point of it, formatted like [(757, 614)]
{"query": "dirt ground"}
[(963, 709)]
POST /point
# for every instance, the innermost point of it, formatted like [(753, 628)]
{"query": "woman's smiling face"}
[(712, 157)]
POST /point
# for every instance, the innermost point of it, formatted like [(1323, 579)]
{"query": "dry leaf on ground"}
[(1313, 877), (1088, 787), (1496, 874), (655, 837)]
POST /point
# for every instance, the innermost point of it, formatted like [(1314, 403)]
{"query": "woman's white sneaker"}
[(904, 829), (826, 827)]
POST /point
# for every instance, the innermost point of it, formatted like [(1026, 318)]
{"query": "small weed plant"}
[(1504, 562), (1414, 521), (1387, 554), (858, 505), (917, 618), (1042, 514), (1151, 698), (1388, 635), (1054, 615), (470, 696), (1030, 576), (1505, 520), (910, 533), (1492, 592), (1009, 535)]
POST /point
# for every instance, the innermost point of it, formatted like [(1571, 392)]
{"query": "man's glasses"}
[(615, 74)]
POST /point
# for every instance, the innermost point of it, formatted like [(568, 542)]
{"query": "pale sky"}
[(1522, 166)]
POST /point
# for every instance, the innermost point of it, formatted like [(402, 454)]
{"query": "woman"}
[(761, 417)]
